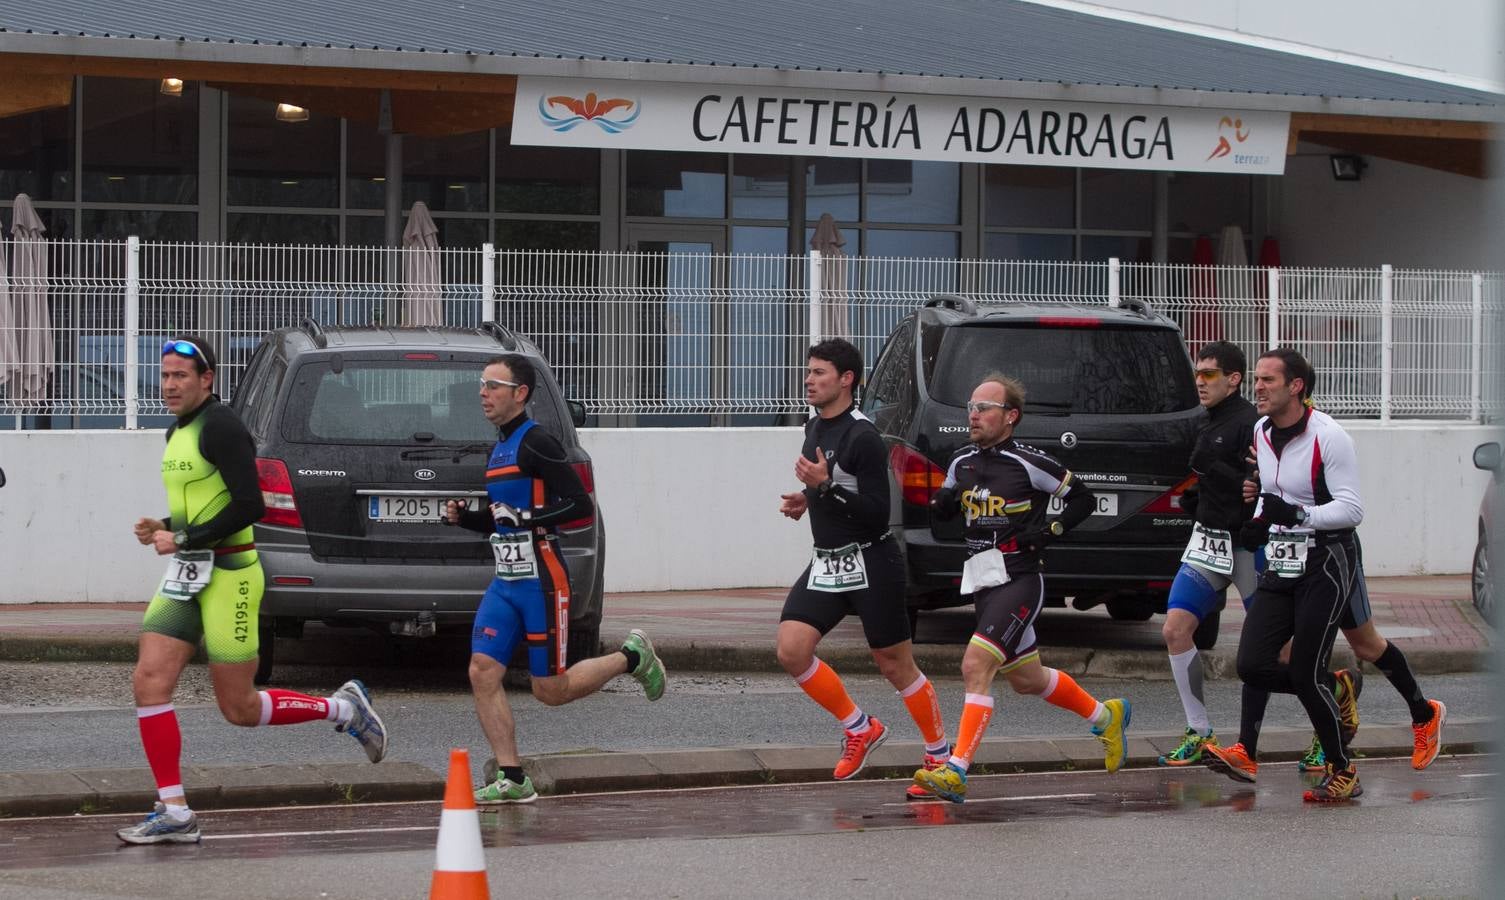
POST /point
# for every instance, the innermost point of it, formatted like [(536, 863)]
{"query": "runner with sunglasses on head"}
[(1003, 489), (212, 591), (1213, 561)]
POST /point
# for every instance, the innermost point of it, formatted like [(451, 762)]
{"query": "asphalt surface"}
[(1137, 833)]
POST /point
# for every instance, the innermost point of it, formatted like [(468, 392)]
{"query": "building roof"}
[(973, 40)]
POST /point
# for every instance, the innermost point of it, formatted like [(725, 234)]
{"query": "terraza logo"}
[(322, 473)]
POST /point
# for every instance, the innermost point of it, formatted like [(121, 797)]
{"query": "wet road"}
[(1156, 831)]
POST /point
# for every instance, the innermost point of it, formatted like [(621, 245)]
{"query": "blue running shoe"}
[(945, 781), (160, 828), (364, 725)]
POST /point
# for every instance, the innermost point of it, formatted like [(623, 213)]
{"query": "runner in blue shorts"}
[(532, 488)]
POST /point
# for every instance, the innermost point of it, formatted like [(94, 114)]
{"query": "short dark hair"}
[(841, 354), (521, 368), (1295, 366), (204, 360), (1227, 355)]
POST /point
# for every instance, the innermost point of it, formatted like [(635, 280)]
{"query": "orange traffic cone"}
[(460, 867)]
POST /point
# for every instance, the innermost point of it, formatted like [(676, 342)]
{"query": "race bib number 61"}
[(1285, 555)]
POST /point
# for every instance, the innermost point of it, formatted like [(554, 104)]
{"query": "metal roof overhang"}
[(445, 65)]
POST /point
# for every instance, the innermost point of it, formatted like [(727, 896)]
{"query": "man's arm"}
[(226, 443), (1340, 465), (543, 456), (868, 505)]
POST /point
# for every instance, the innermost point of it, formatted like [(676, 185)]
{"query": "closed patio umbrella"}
[(30, 314), (10, 364), (828, 241), (421, 284)]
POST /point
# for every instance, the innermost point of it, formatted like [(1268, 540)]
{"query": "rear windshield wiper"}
[(441, 452)]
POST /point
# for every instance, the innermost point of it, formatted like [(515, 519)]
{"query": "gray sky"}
[(1460, 37)]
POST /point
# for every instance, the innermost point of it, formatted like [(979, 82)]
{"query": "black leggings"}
[(1306, 611)]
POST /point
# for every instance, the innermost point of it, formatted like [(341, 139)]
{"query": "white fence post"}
[(1274, 308), (1476, 364), (132, 328), (1114, 288), (488, 282), (815, 270), (1387, 303)]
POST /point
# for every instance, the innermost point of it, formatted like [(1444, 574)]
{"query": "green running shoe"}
[(1315, 760), (650, 670), (1115, 746), (506, 791), (1190, 752)]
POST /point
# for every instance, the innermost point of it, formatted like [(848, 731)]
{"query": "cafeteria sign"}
[(633, 115)]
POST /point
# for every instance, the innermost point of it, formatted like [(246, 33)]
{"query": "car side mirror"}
[(577, 412), (2, 478), (1487, 457)]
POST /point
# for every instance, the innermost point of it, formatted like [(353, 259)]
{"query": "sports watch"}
[(180, 538)]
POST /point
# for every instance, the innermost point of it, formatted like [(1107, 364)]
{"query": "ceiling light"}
[(172, 87), (287, 112)]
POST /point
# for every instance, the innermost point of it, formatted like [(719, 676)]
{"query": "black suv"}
[(1109, 392), (361, 435)]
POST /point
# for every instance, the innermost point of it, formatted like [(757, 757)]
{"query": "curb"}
[(692, 656), (47, 793)]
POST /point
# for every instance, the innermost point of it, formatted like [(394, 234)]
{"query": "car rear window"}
[(394, 401), (1103, 369)]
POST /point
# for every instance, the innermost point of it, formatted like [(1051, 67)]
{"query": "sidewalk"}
[(1429, 617)]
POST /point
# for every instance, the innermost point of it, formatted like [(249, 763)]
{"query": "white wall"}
[(684, 508), (1405, 215)]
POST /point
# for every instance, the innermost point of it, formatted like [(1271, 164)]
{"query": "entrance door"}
[(674, 341)]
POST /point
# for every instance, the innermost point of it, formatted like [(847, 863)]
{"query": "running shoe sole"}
[(1218, 764)]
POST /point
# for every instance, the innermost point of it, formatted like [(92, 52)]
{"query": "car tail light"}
[(277, 492), (1169, 503), (588, 479), (918, 477), (1070, 322), (293, 580)]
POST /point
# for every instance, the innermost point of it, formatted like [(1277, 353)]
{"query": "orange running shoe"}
[(1428, 737), (857, 747), (914, 791), (1340, 784), (1232, 761)]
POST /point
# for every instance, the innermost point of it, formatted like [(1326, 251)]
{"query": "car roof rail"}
[(964, 305), (501, 334), (1136, 305), (309, 326)]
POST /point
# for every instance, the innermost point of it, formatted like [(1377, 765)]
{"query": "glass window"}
[(147, 224), (691, 185), (831, 187), (447, 173), (1082, 370), (273, 228), (546, 179), (750, 239), (1202, 203), (1096, 248), (1030, 196), (1029, 246), (139, 145), (899, 190), (36, 154), (760, 187), (366, 231), (272, 163), (512, 234), (1113, 199), (923, 244)]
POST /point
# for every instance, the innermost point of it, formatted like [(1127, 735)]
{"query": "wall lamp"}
[(286, 112), (172, 87), (1347, 166)]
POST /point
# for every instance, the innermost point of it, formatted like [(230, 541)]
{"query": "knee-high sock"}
[(1393, 664), (163, 743), (824, 686), (279, 707), (925, 708), (974, 724), (1063, 691), (1186, 667)]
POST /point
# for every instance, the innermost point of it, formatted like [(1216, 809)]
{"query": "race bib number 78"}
[(187, 574)]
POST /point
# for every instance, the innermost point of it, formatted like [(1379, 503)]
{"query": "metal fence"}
[(651, 338)]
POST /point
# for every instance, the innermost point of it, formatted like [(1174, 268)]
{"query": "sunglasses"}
[(182, 348), (1209, 374), (981, 406), (496, 384)]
